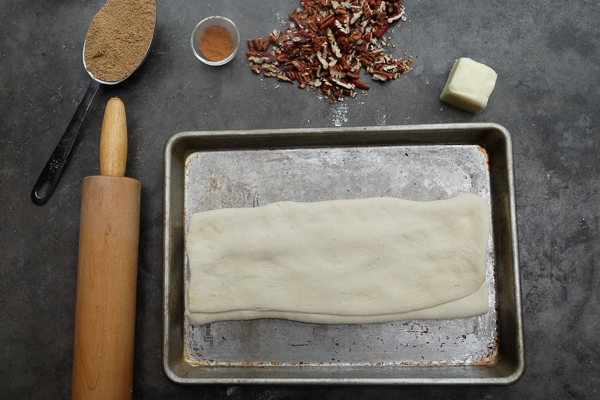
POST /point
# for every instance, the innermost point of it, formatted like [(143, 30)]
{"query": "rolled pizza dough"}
[(339, 261)]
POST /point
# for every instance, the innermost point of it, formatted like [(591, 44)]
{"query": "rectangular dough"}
[(340, 261)]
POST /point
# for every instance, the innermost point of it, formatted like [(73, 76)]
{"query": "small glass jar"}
[(199, 31)]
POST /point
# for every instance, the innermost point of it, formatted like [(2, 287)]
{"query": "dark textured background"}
[(547, 95)]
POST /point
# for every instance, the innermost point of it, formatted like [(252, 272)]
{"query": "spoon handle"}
[(51, 172)]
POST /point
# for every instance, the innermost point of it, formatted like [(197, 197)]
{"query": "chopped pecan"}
[(292, 53), (328, 42), (380, 28), (323, 61), (274, 36), (312, 26), (336, 50), (284, 78), (296, 18), (307, 49), (359, 85), (318, 43), (282, 57), (361, 47), (366, 10), (299, 66), (344, 44), (325, 22), (390, 68), (258, 44), (381, 76), (340, 10), (341, 83), (341, 28), (355, 17), (304, 36), (336, 72), (271, 68), (260, 57), (288, 46), (356, 35), (396, 17)]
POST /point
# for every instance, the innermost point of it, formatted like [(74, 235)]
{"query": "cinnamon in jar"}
[(216, 43)]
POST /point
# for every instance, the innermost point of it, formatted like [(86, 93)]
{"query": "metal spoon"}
[(53, 169)]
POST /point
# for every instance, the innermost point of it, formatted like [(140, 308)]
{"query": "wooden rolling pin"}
[(107, 272)]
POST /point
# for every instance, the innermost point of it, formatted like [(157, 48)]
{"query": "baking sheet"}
[(248, 169)]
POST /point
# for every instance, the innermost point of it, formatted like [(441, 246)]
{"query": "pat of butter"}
[(469, 85)]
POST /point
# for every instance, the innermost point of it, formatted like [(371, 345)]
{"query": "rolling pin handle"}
[(113, 139)]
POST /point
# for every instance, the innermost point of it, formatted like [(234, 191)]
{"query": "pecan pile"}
[(327, 45)]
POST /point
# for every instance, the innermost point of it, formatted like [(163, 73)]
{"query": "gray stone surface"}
[(548, 96)]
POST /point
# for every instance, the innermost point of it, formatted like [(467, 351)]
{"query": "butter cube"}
[(469, 85)]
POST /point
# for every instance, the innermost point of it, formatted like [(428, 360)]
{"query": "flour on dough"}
[(340, 261)]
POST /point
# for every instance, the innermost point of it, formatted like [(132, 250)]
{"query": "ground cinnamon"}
[(118, 38), (216, 43)]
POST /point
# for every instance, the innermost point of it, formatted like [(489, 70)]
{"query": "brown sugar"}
[(118, 38), (216, 43)]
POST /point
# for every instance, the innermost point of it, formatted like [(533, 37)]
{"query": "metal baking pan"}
[(211, 170)]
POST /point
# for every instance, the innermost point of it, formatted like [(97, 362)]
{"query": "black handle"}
[(58, 159)]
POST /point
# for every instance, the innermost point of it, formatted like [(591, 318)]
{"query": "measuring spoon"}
[(53, 169)]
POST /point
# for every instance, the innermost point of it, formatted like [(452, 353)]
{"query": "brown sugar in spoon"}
[(48, 179)]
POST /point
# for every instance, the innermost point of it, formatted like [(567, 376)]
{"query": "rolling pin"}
[(107, 270)]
